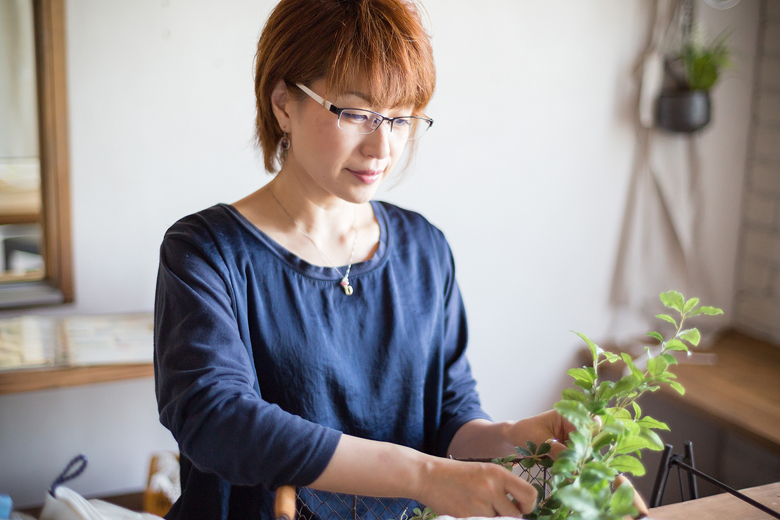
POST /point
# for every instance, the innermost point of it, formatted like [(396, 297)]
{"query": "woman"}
[(307, 335)]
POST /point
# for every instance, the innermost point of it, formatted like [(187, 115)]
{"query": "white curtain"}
[(659, 243)]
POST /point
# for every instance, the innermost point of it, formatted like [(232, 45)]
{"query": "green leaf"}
[(578, 499), (595, 350), (622, 387), (539, 492), (632, 367), (709, 311), (628, 464), (659, 367), (631, 445), (531, 447), (677, 386), (656, 335), (670, 359), (676, 344), (611, 357), (563, 465), (651, 364), (692, 336), (603, 388), (666, 317), (637, 410), (572, 394), (622, 501), (523, 452), (649, 422), (654, 441), (582, 374), (604, 439), (546, 463), (673, 300), (544, 448), (528, 463), (597, 407), (613, 425), (690, 304), (575, 412)]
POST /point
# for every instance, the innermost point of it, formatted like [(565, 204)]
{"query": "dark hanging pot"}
[(683, 110)]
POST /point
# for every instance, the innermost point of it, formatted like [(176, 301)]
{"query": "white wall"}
[(526, 171)]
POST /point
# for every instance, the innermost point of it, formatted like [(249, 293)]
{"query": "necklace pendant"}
[(345, 284)]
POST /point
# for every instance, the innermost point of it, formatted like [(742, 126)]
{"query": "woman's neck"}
[(319, 214)]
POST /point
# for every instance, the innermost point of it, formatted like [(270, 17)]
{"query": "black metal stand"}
[(686, 462)]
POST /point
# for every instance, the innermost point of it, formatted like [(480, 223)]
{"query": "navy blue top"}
[(261, 360)]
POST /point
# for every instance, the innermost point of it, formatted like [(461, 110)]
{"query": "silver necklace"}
[(345, 277)]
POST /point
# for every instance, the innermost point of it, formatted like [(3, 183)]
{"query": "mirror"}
[(20, 168), (35, 257)]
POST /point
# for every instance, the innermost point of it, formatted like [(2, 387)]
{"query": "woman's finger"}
[(523, 493), (505, 507), (638, 502), (556, 447)]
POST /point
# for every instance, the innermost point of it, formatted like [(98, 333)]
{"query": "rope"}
[(67, 474)]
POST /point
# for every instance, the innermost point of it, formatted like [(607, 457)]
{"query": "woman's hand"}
[(464, 489), (548, 426)]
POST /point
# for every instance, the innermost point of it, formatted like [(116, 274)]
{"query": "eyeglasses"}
[(360, 121)]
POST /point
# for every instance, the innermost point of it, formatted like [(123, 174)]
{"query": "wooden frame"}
[(57, 286), (53, 114)]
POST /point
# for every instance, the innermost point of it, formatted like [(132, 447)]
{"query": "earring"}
[(285, 142)]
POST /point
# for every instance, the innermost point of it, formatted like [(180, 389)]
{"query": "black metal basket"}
[(320, 505)]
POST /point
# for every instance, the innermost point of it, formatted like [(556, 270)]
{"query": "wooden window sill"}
[(35, 379)]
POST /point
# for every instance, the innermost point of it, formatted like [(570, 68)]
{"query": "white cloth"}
[(69, 505)]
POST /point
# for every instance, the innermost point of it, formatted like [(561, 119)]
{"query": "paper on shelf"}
[(108, 339)]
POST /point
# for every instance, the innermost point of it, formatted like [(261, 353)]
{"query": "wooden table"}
[(723, 507)]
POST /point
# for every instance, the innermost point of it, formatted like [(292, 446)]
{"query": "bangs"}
[(386, 52)]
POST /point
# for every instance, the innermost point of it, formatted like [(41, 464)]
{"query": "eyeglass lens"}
[(365, 122)]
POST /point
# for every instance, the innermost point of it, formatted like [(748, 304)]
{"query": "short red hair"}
[(382, 42)]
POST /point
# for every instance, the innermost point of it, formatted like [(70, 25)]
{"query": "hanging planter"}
[(684, 111), (685, 106)]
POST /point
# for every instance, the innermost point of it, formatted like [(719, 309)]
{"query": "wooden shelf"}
[(740, 392), (32, 380)]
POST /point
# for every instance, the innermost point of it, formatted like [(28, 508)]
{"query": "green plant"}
[(703, 63), (611, 430), (610, 427)]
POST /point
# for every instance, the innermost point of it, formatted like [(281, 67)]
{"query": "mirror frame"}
[(57, 285)]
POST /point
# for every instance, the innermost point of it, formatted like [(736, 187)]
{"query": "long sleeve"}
[(206, 385), (460, 401)]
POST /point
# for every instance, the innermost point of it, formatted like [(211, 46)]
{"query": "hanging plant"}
[(693, 71)]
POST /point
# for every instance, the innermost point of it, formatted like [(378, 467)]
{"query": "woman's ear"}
[(280, 102)]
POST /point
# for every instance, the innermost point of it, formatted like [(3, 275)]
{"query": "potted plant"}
[(684, 104)]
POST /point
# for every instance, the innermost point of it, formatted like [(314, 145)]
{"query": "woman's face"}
[(332, 162)]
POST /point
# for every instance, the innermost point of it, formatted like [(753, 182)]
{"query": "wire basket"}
[(311, 504)]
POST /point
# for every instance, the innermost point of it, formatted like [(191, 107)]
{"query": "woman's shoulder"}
[(210, 230), (410, 231), (408, 221)]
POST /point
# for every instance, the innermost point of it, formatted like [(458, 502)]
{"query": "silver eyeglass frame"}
[(338, 111)]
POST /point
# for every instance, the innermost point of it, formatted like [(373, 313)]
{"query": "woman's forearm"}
[(365, 467), (460, 489)]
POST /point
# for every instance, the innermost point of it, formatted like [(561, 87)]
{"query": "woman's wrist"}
[(481, 438)]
